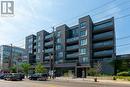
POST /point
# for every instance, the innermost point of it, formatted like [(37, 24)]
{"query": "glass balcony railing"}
[(73, 55), (72, 47), (47, 57), (48, 50), (103, 44), (103, 25), (103, 35), (49, 43), (72, 39), (49, 36), (103, 53)]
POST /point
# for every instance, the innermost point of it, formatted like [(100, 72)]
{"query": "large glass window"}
[(58, 40), (82, 24), (38, 44), (83, 33), (83, 42), (38, 37), (38, 50), (30, 46), (83, 50), (60, 54), (58, 33), (30, 40), (58, 47), (84, 59), (75, 32)]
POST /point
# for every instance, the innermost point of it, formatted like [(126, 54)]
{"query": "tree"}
[(12, 69), (96, 70), (91, 72), (121, 65), (40, 68), (25, 67)]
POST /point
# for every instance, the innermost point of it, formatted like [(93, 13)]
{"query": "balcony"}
[(49, 43), (49, 36), (103, 27), (47, 57), (103, 36), (106, 44), (72, 39), (72, 47), (73, 55), (48, 50), (103, 53)]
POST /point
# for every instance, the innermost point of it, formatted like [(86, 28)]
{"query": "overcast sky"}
[(34, 15)]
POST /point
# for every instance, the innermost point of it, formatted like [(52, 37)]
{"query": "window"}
[(38, 50), (83, 51), (38, 37), (83, 32), (30, 51), (58, 47), (58, 33), (38, 44), (60, 54), (30, 46), (84, 59), (82, 25), (75, 32), (58, 40), (83, 42), (30, 40)]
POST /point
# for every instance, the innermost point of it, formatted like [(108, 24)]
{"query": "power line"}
[(101, 6), (123, 45), (123, 37), (120, 4), (122, 17), (115, 13)]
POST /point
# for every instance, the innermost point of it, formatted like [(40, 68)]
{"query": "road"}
[(27, 83)]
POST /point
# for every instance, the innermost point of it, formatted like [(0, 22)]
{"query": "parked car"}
[(38, 76), (2, 75), (13, 77)]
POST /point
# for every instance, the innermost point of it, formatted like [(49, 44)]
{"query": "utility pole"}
[(10, 58), (53, 59), (115, 63)]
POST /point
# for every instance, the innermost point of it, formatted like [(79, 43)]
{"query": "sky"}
[(31, 16)]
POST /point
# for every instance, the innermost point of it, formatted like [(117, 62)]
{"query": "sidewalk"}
[(70, 79)]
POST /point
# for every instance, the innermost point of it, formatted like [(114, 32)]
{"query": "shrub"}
[(127, 78), (123, 73), (92, 72)]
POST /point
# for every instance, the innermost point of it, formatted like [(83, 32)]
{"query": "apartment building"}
[(11, 56), (75, 48)]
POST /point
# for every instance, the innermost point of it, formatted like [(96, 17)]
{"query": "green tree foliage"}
[(13, 69), (40, 68), (124, 73), (25, 67), (121, 65), (92, 72)]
